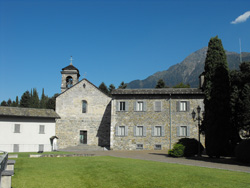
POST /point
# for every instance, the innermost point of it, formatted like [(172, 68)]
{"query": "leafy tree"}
[(4, 103), (181, 85), (103, 88), (25, 99), (160, 84), (217, 100), (122, 86)]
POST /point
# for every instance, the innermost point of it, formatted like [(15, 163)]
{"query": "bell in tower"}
[(70, 76)]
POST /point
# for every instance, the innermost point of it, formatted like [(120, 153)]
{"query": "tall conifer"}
[(217, 100)]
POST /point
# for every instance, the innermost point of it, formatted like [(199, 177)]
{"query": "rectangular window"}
[(140, 106), (157, 146), (157, 106), (84, 106), (183, 106), (140, 131), (183, 131), (158, 130), (41, 129), (121, 106), (139, 146), (121, 130), (17, 128), (16, 148), (40, 148)]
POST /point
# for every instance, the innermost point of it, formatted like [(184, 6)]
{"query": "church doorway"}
[(83, 137)]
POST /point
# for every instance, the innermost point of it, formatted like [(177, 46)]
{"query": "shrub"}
[(191, 146), (177, 151), (242, 151)]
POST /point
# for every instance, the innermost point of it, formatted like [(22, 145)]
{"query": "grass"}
[(99, 171)]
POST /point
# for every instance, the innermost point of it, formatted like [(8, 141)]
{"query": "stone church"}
[(132, 119)]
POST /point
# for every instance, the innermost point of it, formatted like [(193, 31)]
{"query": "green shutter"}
[(126, 130), (144, 106), (162, 131), (144, 131), (117, 106), (178, 130), (126, 106), (153, 130)]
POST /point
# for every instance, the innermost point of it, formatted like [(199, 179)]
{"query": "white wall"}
[(29, 137)]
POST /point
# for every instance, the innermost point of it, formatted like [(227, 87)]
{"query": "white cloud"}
[(241, 18)]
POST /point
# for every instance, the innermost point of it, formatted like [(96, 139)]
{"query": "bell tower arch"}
[(70, 76)]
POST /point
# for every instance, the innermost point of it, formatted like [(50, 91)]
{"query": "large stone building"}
[(131, 119)]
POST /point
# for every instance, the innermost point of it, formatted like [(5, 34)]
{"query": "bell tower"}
[(70, 76)]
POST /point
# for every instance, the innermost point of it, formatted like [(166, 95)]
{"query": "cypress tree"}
[(44, 100), (103, 88), (217, 100), (34, 99)]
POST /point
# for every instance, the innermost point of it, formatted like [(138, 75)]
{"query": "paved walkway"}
[(161, 156)]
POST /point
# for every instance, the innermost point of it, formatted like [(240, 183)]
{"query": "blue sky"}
[(110, 40)]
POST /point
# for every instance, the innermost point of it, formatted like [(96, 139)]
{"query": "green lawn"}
[(74, 172)]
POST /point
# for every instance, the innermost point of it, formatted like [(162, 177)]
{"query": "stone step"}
[(83, 147)]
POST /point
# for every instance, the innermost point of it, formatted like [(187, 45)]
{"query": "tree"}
[(217, 100), (4, 103), (181, 85), (25, 99), (160, 84), (103, 88), (122, 86), (9, 102), (34, 102), (240, 99), (51, 104), (111, 88), (44, 100)]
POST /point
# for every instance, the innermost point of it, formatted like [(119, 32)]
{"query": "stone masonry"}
[(169, 117), (96, 120)]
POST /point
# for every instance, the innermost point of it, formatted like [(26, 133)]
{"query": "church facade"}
[(132, 119)]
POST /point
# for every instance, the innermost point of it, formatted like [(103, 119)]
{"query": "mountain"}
[(187, 71)]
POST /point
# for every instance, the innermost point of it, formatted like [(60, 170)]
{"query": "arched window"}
[(84, 106), (69, 82)]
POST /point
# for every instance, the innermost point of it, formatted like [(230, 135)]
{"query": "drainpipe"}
[(170, 121)]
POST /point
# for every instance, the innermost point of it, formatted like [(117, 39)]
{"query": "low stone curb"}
[(61, 155)]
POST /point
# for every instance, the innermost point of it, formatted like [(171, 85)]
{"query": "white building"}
[(26, 129)]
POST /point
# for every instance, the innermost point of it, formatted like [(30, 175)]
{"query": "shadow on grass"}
[(205, 158)]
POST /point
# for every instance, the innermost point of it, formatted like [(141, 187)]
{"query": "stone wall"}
[(169, 118), (96, 121)]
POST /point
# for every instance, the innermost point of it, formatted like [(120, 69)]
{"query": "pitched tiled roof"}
[(70, 67), (164, 91), (27, 112)]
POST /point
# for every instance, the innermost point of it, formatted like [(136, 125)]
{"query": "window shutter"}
[(153, 130), (177, 106), (116, 130), (126, 130), (144, 106), (158, 106), (135, 103), (188, 106), (117, 106), (17, 128), (178, 130), (188, 131), (162, 131), (144, 131), (134, 130), (126, 106)]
